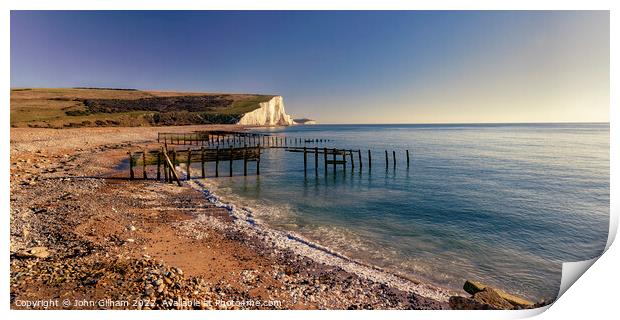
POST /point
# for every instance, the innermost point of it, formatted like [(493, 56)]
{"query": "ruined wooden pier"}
[(234, 139), (168, 160), (228, 146)]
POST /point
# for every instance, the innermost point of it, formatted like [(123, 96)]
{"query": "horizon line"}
[(444, 123)]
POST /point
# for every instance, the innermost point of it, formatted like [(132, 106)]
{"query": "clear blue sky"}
[(337, 67)]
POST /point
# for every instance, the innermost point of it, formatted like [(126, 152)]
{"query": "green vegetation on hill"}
[(77, 107)]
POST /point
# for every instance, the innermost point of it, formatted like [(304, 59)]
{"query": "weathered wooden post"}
[(344, 161), (174, 159), (334, 160), (316, 161), (173, 172), (325, 159), (407, 158), (158, 136), (131, 176), (166, 171), (369, 161), (352, 164), (258, 161), (202, 161), (386, 159), (305, 161), (144, 164), (158, 165), (217, 161), (394, 158), (359, 158), (245, 161), (230, 161), (189, 163)]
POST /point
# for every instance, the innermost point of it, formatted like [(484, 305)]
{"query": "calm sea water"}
[(503, 204)]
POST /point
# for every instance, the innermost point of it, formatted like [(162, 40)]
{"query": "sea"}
[(503, 204)]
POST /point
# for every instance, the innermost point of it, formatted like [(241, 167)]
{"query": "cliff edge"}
[(269, 113)]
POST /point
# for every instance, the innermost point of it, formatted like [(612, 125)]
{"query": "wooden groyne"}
[(335, 156), (229, 146), (167, 160), (234, 139)]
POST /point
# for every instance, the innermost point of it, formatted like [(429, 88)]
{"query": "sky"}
[(336, 66)]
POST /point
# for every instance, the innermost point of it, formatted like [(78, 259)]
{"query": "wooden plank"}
[(174, 172)]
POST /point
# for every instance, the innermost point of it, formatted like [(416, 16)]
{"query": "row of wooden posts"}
[(343, 161), (168, 160), (233, 139)]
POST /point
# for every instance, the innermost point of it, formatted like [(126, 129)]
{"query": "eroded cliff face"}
[(270, 113)]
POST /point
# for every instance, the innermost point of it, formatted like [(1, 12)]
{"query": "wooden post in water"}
[(344, 161), (144, 164), (217, 161), (245, 161), (334, 160), (369, 161), (258, 161), (131, 176), (305, 162), (230, 161), (316, 161), (394, 158), (352, 164), (359, 158), (386, 159), (202, 161), (407, 158), (158, 165), (325, 159)]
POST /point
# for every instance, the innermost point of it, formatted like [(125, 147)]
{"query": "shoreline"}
[(244, 221), (82, 230)]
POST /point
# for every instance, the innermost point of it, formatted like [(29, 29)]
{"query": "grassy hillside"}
[(58, 108)]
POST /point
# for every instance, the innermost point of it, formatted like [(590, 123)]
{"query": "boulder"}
[(491, 297), (473, 287)]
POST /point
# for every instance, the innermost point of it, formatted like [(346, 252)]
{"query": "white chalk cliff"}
[(270, 113)]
